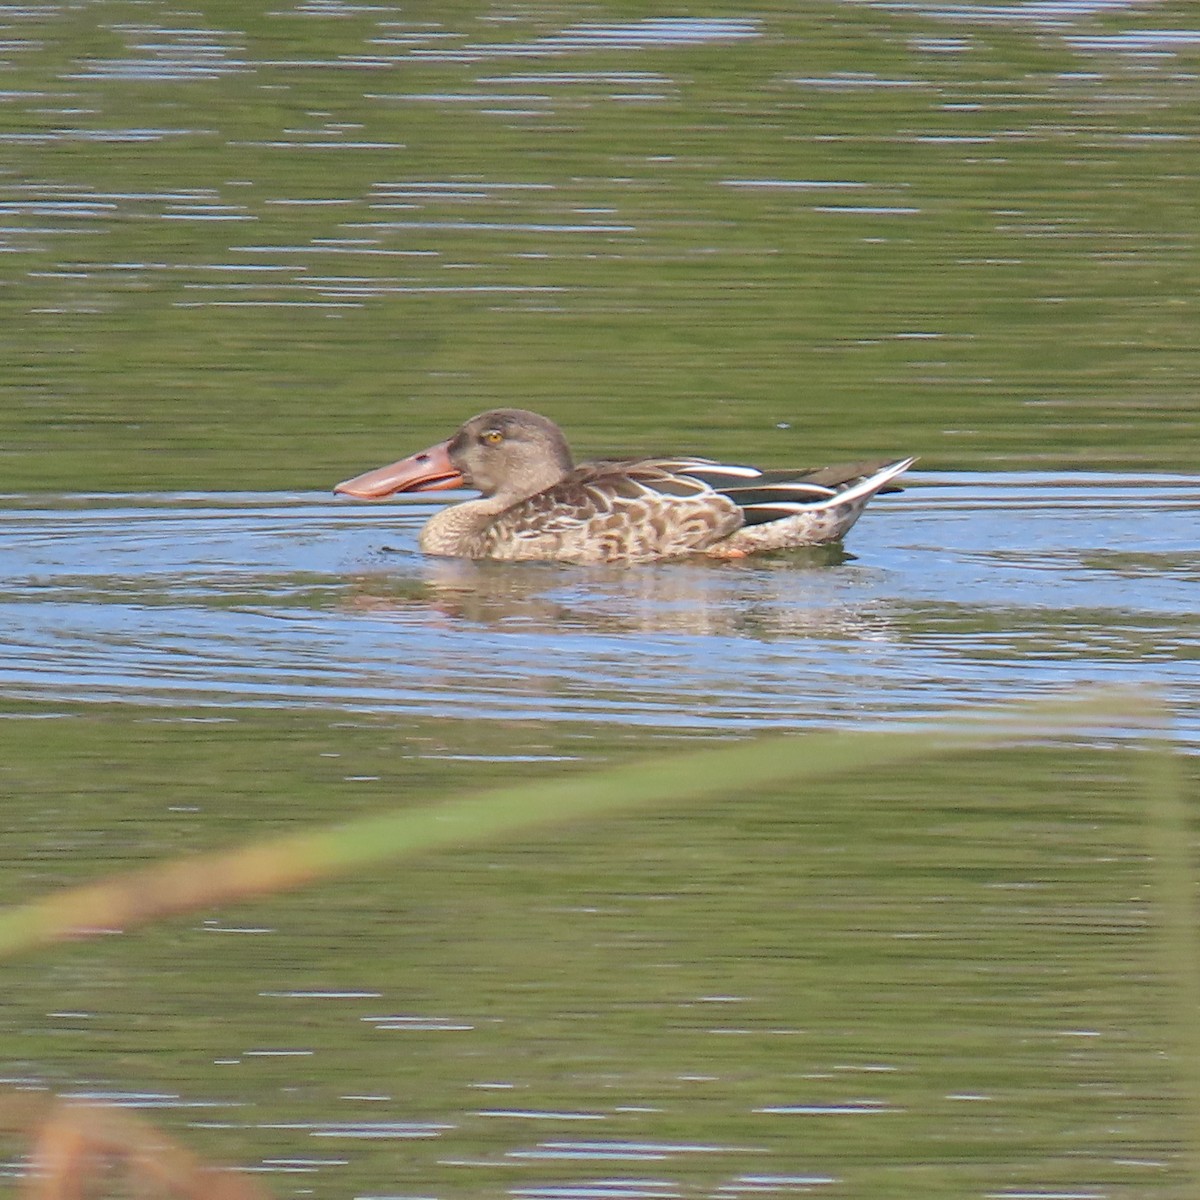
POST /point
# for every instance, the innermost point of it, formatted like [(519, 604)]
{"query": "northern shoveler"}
[(537, 504)]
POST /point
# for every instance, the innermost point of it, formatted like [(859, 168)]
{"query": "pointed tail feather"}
[(785, 524), (774, 503)]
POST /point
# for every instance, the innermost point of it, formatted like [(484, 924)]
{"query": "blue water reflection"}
[(964, 589)]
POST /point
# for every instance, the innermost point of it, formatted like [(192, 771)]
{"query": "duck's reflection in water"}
[(790, 594)]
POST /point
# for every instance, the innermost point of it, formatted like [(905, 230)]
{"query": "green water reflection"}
[(258, 247), (945, 981), (255, 247)]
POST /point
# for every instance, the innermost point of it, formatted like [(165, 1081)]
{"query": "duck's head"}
[(506, 452)]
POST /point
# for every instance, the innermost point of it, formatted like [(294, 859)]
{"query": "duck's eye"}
[(493, 437)]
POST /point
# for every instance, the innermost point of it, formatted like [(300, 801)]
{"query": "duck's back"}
[(620, 512)]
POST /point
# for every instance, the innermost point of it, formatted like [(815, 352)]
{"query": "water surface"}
[(964, 589), (250, 250), (260, 247)]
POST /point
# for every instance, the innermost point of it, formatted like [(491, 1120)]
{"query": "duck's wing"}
[(616, 512), (777, 516), (842, 475), (770, 495), (726, 477)]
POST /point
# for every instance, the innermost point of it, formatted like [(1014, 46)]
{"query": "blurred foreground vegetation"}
[(976, 963)]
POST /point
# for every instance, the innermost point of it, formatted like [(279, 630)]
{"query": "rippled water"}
[(247, 246), (251, 250), (963, 589)]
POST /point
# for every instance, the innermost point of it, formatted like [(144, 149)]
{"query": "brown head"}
[(510, 452), (507, 452)]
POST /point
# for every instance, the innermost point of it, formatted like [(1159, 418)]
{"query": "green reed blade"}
[(120, 902), (1170, 841)]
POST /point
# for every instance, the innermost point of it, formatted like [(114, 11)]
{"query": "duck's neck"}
[(451, 530)]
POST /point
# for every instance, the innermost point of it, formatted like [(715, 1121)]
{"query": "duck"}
[(537, 504)]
